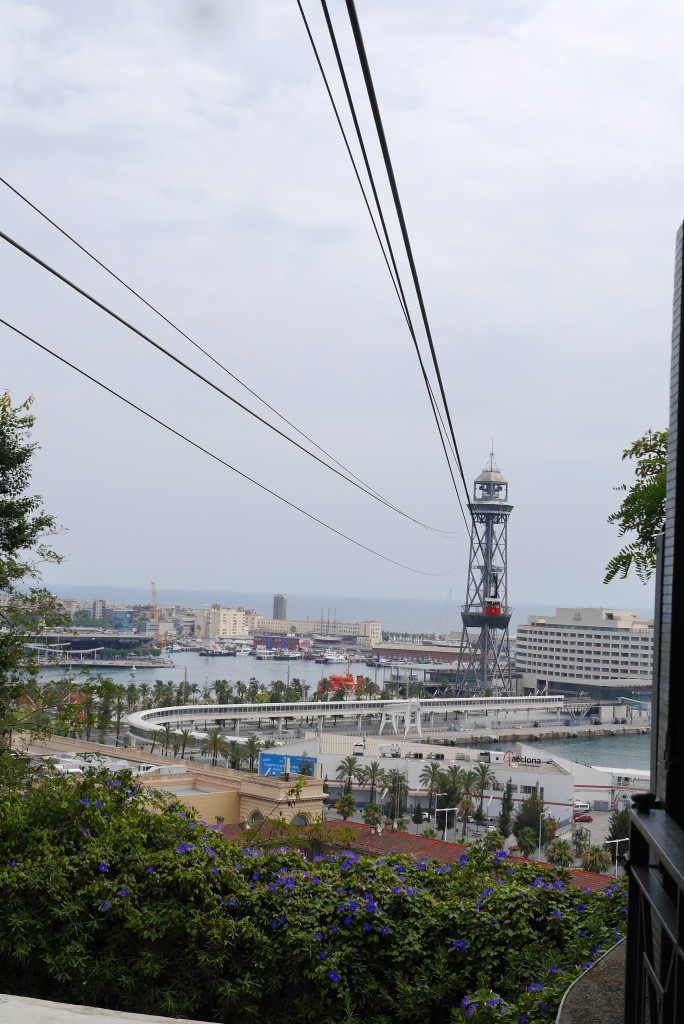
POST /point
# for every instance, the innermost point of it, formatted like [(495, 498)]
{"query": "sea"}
[(397, 614)]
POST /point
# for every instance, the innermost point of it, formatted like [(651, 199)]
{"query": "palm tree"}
[(216, 745), (596, 858), (469, 783), (236, 754), (346, 771), (185, 737), (370, 775), (485, 780), (396, 788), (372, 814), (252, 748), (432, 776), (560, 852), (346, 805), (166, 737), (527, 840)]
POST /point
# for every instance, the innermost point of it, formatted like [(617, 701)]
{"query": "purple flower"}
[(232, 902), (123, 892), (105, 905), (84, 831), (256, 876), (470, 1010), (543, 1006), (98, 803), (13, 863), (367, 927), (535, 987), (523, 1018), (274, 925), (384, 930), (347, 920), (322, 955), (553, 968), (492, 1002), (334, 929), (583, 932), (557, 913), (334, 976), (83, 800), (459, 944), (318, 935), (149, 869), (103, 867)]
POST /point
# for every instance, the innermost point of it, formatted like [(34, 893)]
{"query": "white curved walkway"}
[(411, 711)]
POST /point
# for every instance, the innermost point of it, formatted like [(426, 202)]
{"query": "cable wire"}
[(377, 118), (393, 269), (204, 351), (216, 458), (200, 376)]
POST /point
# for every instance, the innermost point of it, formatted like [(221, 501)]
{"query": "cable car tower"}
[(484, 658)]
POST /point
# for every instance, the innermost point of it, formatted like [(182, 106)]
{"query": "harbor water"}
[(631, 751)]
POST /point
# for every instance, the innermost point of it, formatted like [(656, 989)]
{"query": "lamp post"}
[(541, 818), (607, 842), (446, 811)]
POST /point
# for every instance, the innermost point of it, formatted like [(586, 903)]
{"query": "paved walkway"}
[(598, 996)]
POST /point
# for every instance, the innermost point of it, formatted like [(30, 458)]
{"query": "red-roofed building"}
[(363, 839)]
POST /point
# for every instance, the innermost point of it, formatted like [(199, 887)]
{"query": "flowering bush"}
[(114, 897)]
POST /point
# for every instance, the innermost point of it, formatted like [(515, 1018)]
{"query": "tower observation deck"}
[(484, 658)]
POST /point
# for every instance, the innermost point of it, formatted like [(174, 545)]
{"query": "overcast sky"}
[(538, 148)]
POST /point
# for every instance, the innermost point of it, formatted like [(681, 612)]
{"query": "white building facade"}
[(591, 644), (217, 621)]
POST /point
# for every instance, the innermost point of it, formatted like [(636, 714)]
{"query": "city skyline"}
[(209, 174)]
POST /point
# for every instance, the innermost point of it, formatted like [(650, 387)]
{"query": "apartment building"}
[(217, 621), (367, 633), (592, 645)]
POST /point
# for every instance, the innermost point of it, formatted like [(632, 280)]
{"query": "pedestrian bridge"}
[(412, 711)]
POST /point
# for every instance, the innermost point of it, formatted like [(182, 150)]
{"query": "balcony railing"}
[(655, 925)]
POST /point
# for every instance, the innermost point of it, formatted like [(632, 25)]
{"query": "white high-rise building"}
[(595, 645)]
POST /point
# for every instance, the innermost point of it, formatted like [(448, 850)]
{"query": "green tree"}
[(580, 838), (236, 755), (252, 748), (527, 840), (346, 771), (618, 829), (560, 852), (529, 814), (346, 805), (372, 814), (432, 777), (185, 738), (469, 788), (596, 858), (485, 780), (642, 511), (505, 821), (417, 816), (26, 610), (370, 775), (396, 791), (215, 745)]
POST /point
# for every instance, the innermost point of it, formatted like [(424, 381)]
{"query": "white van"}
[(582, 806)]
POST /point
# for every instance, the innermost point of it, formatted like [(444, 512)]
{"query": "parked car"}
[(582, 817)]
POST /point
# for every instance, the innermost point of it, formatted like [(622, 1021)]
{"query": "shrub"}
[(114, 897)]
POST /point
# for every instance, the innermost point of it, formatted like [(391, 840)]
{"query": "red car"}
[(582, 817)]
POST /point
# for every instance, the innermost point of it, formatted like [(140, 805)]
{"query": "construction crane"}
[(158, 638)]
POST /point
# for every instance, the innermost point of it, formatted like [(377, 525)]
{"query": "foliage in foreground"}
[(113, 897), (642, 511)]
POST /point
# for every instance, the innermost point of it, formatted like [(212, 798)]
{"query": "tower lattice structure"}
[(484, 657)]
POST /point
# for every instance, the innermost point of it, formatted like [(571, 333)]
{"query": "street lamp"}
[(625, 839), (543, 815)]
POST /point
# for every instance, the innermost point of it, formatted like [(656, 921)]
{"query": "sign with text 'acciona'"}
[(511, 759)]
